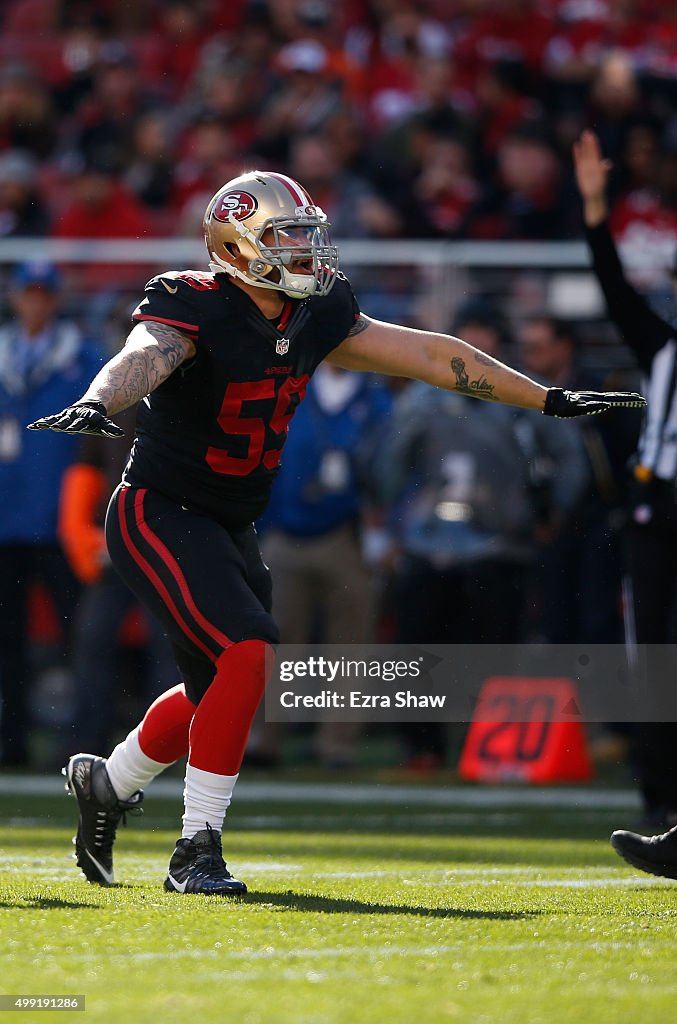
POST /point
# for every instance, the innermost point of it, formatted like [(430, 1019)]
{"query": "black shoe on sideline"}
[(100, 814), (655, 854), (197, 866)]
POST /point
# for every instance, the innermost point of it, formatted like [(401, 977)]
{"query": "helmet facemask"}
[(294, 242), (303, 238)]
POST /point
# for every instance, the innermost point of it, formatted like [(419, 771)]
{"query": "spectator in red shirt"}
[(644, 212), (406, 39), (586, 32), (103, 208), (511, 30), (181, 32)]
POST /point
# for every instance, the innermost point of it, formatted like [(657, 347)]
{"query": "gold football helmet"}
[(247, 207)]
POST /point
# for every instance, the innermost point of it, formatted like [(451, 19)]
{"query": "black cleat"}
[(655, 854), (100, 814), (197, 866)]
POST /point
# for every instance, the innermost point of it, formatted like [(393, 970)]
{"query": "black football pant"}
[(207, 585), (651, 560)]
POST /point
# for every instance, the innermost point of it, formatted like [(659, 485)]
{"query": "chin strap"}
[(219, 266)]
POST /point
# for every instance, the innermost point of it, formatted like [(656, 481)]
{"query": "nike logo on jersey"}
[(172, 291), (106, 875), (179, 886)]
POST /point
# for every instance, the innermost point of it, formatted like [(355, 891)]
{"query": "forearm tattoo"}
[(360, 325), (140, 367), (478, 388)]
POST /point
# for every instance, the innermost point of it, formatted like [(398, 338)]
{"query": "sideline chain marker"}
[(526, 730)]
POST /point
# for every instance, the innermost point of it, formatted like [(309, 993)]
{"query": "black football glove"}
[(81, 418), (563, 404)]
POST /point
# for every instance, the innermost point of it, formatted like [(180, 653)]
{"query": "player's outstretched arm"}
[(452, 364), (151, 354)]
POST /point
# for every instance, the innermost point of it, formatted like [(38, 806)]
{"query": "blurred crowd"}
[(400, 513), (434, 118)]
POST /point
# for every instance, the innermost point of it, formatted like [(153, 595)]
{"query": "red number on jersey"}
[(289, 398), (233, 421)]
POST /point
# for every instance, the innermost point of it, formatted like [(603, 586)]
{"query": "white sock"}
[(206, 798), (129, 768)]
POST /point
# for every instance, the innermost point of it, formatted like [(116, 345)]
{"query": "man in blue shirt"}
[(43, 360)]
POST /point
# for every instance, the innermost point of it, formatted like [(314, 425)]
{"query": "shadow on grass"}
[(329, 905), (48, 903)]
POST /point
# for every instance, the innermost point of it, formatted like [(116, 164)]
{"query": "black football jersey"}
[(212, 434)]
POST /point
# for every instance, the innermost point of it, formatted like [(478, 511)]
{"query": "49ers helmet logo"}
[(240, 204)]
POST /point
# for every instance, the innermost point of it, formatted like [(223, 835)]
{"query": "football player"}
[(221, 360)]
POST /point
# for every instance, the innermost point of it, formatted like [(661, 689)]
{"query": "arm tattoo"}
[(479, 388), (155, 352), (360, 325)]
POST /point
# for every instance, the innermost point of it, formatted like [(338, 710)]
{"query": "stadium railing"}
[(407, 281)]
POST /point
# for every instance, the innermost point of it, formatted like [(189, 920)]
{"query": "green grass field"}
[(360, 912)]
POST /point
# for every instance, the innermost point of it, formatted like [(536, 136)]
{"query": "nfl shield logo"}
[(282, 346)]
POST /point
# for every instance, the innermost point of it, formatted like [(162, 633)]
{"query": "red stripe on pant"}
[(174, 568), (149, 572), (223, 718)]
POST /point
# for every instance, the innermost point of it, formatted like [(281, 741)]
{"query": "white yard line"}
[(228, 955), (54, 869), (554, 883), (367, 820), (473, 797), (489, 876)]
